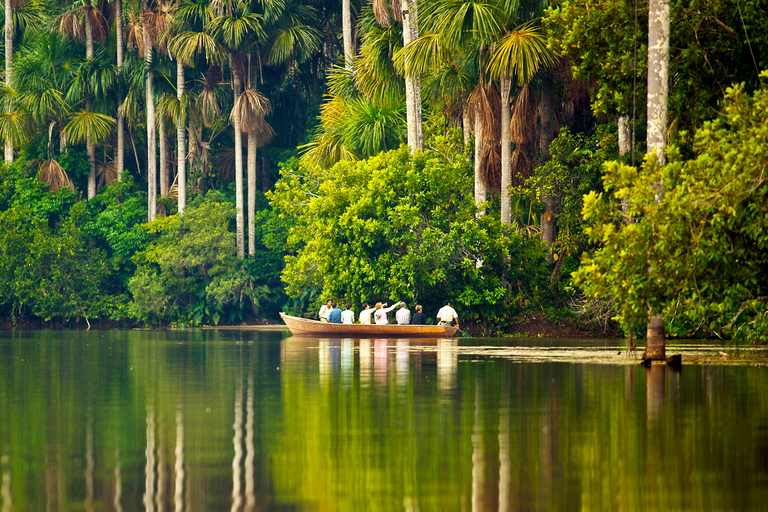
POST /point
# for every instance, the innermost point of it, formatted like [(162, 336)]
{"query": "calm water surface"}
[(162, 421)]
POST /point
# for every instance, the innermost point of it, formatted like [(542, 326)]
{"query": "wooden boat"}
[(303, 326)]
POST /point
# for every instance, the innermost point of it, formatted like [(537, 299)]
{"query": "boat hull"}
[(302, 326)]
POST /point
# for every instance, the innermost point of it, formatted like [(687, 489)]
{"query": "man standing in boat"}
[(447, 315), (334, 315), (380, 313)]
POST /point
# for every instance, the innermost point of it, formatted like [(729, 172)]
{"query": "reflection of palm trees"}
[(505, 463), (478, 457), (237, 442), (178, 495), (654, 386), (5, 484), (149, 469)]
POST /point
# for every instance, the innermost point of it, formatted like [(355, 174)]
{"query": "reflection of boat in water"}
[(306, 327)]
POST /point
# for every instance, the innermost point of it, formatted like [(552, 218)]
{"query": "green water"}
[(163, 421)]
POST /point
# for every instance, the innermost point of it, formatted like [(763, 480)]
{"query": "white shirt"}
[(447, 314), (324, 310), (403, 316), (365, 316), (347, 316)]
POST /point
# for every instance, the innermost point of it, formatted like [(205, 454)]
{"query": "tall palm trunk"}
[(237, 86), (151, 120), (412, 84), (252, 151), (506, 152), (89, 145), (120, 156), (163, 148), (480, 191), (346, 25), (658, 92), (181, 156), (8, 67)]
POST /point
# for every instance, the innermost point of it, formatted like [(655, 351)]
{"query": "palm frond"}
[(188, 45), (15, 126), (52, 173), (86, 124), (520, 54), (296, 41)]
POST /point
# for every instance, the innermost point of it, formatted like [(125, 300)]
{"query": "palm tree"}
[(658, 92), (8, 67), (120, 151), (404, 11), (518, 55), (234, 28)]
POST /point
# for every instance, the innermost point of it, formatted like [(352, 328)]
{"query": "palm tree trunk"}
[(88, 30), (181, 155), (480, 191), (252, 149), (412, 85), (623, 135), (120, 156), (506, 152), (163, 148), (346, 25), (658, 92), (151, 120), (237, 87), (8, 66), (92, 163)]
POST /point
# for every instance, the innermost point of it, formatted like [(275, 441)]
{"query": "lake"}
[(232, 420)]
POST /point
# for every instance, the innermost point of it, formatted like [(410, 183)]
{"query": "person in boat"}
[(324, 310), (403, 315), (365, 314), (419, 318), (380, 313), (447, 315), (347, 316), (334, 315)]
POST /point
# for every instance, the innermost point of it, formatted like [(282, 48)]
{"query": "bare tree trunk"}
[(506, 152), (481, 192), (237, 87), (181, 149), (658, 93), (466, 125), (120, 156), (547, 135), (8, 67), (151, 124), (346, 25), (412, 85), (623, 135), (252, 152), (163, 148), (151, 119), (92, 163)]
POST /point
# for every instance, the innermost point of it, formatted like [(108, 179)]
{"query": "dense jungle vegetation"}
[(198, 162)]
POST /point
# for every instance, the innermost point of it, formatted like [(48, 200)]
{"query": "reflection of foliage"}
[(700, 255), (402, 227), (191, 269)]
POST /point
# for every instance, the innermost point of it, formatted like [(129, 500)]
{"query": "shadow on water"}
[(247, 420)]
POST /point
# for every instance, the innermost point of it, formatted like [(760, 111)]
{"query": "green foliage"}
[(190, 271), (699, 254), (713, 43), (63, 273), (400, 227)]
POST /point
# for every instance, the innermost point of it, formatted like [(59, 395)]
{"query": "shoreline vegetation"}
[(151, 180)]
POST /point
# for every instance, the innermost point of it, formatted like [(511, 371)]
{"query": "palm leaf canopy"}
[(86, 123), (15, 126), (459, 22), (186, 46), (520, 54), (236, 29)]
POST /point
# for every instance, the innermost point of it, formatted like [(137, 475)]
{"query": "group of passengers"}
[(331, 312)]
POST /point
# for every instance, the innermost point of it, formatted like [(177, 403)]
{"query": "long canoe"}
[(303, 326)]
